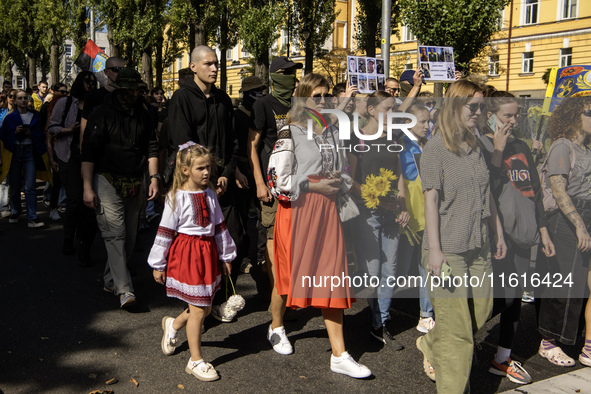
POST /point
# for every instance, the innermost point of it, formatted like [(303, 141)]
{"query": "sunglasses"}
[(11, 96), (115, 69), (587, 113), (318, 97), (63, 91), (393, 89), (430, 103), (90, 81), (23, 98), (474, 107)]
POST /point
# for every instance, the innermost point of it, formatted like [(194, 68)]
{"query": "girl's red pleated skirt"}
[(310, 255), (193, 273)]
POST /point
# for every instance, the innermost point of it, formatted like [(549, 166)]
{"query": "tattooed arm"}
[(558, 185)]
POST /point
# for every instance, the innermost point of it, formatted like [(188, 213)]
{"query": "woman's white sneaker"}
[(348, 366), (278, 339)]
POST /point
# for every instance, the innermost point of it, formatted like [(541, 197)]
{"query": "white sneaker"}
[(279, 341), (202, 370), (426, 324), (5, 213), (348, 366), (168, 344), (54, 214)]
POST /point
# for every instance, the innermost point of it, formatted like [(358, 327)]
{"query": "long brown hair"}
[(185, 158), (565, 121), (449, 122)]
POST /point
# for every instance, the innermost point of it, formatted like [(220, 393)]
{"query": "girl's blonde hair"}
[(184, 158), (305, 89), (449, 122)]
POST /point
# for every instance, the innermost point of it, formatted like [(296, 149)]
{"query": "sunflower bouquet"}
[(381, 188)]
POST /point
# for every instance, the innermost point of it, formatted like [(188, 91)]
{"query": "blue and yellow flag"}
[(572, 81)]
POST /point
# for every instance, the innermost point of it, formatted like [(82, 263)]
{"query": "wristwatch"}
[(155, 176)]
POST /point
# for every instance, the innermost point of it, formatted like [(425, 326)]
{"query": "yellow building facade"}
[(535, 35)]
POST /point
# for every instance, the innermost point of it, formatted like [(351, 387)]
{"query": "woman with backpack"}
[(515, 186), (568, 169)]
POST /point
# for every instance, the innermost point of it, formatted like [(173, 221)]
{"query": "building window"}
[(566, 57), (569, 9), (20, 82), (68, 50), (531, 11), (408, 35), (229, 53), (68, 66), (245, 53), (528, 62), (493, 65), (230, 90), (179, 63), (104, 49), (408, 66)]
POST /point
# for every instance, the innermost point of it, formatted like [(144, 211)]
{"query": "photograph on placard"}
[(372, 83), (352, 62), (449, 55), (361, 65), (371, 65), (451, 72), (423, 51), (432, 54), (380, 66), (440, 56), (425, 67), (353, 80), (363, 83), (381, 83)]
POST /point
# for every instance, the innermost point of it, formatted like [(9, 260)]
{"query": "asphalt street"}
[(61, 333)]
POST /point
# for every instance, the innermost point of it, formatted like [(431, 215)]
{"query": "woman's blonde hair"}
[(305, 89), (184, 158), (449, 122)]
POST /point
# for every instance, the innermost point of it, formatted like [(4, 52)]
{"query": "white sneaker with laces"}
[(346, 365), (426, 324), (278, 339)]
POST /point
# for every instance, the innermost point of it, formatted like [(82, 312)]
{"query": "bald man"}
[(202, 113)]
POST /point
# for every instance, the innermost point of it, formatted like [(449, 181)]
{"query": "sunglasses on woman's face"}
[(474, 107), (11, 96), (318, 97), (63, 91)]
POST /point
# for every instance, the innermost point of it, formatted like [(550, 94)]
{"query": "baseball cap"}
[(407, 77), (251, 83), (282, 63)]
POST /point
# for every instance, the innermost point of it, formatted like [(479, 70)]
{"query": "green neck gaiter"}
[(283, 87)]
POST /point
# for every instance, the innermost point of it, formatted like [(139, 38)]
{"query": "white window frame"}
[(68, 67), (562, 5), (408, 35), (534, 7), (566, 57), (493, 65), (68, 50), (20, 82), (527, 62)]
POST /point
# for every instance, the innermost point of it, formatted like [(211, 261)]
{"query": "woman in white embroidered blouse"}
[(306, 172)]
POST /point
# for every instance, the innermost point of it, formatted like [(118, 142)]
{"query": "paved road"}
[(61, 333)]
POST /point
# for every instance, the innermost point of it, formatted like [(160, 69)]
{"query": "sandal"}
[(427, 367), (585, 358), (556, 356)]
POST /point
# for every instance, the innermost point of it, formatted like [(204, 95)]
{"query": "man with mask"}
[(270, 114), (120, 141)]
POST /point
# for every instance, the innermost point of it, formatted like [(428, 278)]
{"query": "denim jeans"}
[(408, 255), (23, 161), (376, 247)]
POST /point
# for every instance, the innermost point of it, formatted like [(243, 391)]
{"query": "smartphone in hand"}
[(492, 123), (445, 271)]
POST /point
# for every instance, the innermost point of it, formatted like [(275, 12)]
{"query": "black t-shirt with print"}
[(269, 117)]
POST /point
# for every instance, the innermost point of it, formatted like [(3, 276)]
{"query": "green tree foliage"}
[(258, 29), (317, 18), (368, 24), (465, 25)]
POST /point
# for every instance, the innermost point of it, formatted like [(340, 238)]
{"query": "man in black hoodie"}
[(204, 114)]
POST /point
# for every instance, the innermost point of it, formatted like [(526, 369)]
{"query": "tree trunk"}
[(114, 49), (159, 66), (32, 80), (223, 70), (55, 58), (147, 75), (370, 49), (129, 58), (191, 38), (200, 35), (438, 89), (309, 63), (261, 68), (8, 71)]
